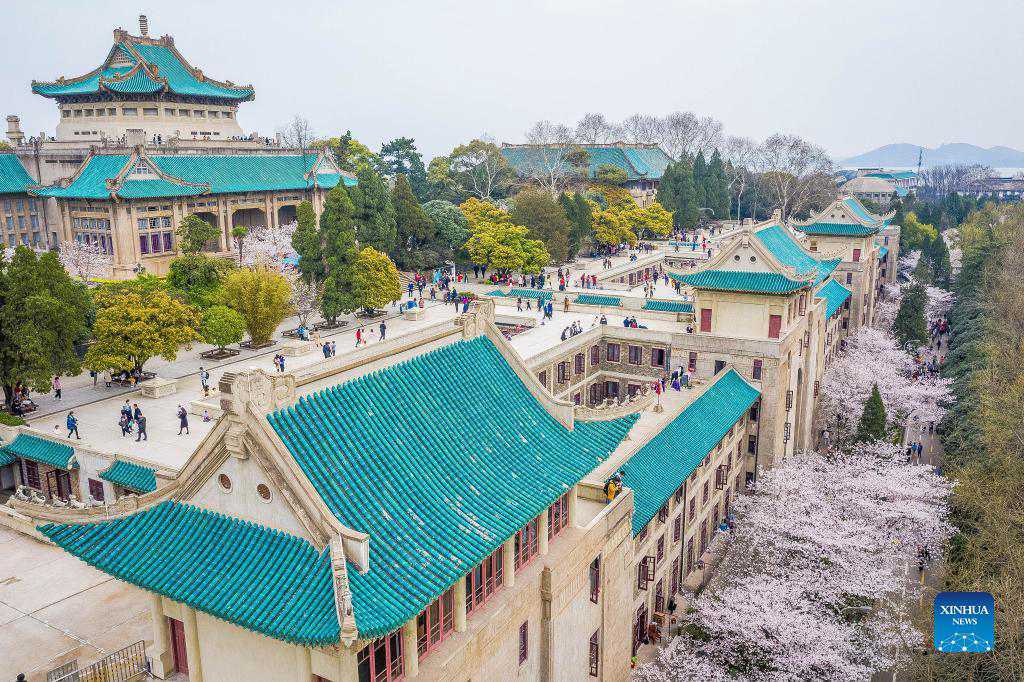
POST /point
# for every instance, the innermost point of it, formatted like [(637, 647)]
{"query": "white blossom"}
[(269, 245), (820, 540), (940, 302), (305, 295), (83, 260), (908, 262)]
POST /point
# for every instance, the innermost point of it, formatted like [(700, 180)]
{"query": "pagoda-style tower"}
[(145, 91)]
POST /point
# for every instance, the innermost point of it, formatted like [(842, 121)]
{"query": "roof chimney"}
[(14, 133), (143, 26)]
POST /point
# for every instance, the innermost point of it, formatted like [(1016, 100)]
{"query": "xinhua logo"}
[(965, 622)]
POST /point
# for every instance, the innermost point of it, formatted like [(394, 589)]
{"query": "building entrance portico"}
[(287, 214), (248, 217)]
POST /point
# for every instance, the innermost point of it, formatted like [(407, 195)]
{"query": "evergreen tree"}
[(373, 211), (909, 326), (194, 233), (415, 231), (676, 193), (937, 255), (581, 218), (400, 157), (450, 226), (717, 187), (546, 218), (700, 188), (326, 253), (872, 425)]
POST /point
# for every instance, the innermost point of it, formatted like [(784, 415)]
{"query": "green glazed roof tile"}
[(41, 450), (538, 294), (130, 475), (835, 294), (750, 282), (657, 470), (638, 161), (837, 229), (239, 571), (668, 306), (13, 177), (597, 299), (438, 466)]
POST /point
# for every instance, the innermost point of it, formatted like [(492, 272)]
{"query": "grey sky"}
[(849, 75)]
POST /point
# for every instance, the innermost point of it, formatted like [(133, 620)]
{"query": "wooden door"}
[(178, 650), (705, 319), (774, 326)]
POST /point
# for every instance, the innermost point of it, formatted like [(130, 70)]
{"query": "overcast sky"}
[(849, 75)]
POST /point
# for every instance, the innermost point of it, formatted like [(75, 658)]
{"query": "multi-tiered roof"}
[(143, 67), (844, 217)]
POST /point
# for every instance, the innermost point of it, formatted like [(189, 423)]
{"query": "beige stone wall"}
[(96, 121)]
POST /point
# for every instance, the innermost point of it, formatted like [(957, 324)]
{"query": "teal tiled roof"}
[(41, 450), (858, 210), (130, 475), (13, 177), (438, 468), (638, 161), (668, 306), (152, 68), (597, 299), (657, 470), (749, 282), (538, 294), (835, 294), (786, 250), (257, 577), (213, 175), (838, 229)]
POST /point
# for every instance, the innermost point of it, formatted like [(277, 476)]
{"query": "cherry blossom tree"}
[(873, 357), (814, 581), (940, 302), (269, 245), (306, 296), (83, 260)]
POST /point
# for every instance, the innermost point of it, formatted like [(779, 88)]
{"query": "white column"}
[(410, 653), (460, 605), (573, 507), (163, 660), (303, 664), (508, 569), (192, 651), (542, 533)]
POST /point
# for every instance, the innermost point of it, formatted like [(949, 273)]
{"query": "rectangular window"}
[(657, 357), (751, 444), (856, 255), (758, 365), (595, 393), (543, 378), (381, 660), (661, 551), (144, 244), (774, 326), (659, 596), (581, 363), (526, 544), (524, 642), (645, 572), (595, 355), (719, 366), (693, 508), (96, 489), (435, 622), (707, 492), (691, 366), (640, 537), (595, 579), (31, 473), (168, 241), (595, 654), (484, 580), (611, 389), (612, 352), (705, 319), (558, 515), (636, 354), (663, 513), (849, 278), (154, 245), (674, 585), (677, 528), (563, 372)]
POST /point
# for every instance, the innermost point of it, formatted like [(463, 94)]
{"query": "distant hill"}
[(905, 155)]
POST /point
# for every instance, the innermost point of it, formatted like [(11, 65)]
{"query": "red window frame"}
[(658, 356), (595, 579), (435, 623), (689, 556), (677, 528), (31, 470), (563, 372), (720, 476), (663, 513), (595, 653), (856, 255), (674, 585), (485, 579), (645, 572), (774, 326), (527, 544), (558, 516), (383, 658), (707, 492), (524, 642), (705, 319), (659, 596), (693, 508), (758, 367)]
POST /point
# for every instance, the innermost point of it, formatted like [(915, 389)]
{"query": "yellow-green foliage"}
[(262, 296), (374, 279)]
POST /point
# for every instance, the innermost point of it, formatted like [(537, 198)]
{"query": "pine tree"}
[(872, 425), (717, 187), (374, 212), (581, 219), (333, 251), (546, 218), (909, 326), (700, 190), (415, 231), (676, 194)]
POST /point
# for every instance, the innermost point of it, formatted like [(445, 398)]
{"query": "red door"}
[(774, 326), (856, 255), (177, 631), (705, 319)]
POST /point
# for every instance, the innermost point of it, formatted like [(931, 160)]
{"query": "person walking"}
[(72, 423), (383, 330), (57, 386), (140, 420), (125, 422), (359, 338), (136, 412), (204, 380), (183, 421)]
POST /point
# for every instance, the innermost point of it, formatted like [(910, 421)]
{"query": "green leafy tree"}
[(936, 254), (400, 157), (450, 226), (478, 169), (909, 326), (373, 211), (578, 211), (914, 233), (374, 280), (351, 154), (543, 214), (415, 231), (262, 297), (498, 243), (134, 324), (222, 326), (194, 233), (611, 174), (614, 226), (238, 234), (198, 276), (676, 193), (43, 314), (872, 425)]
